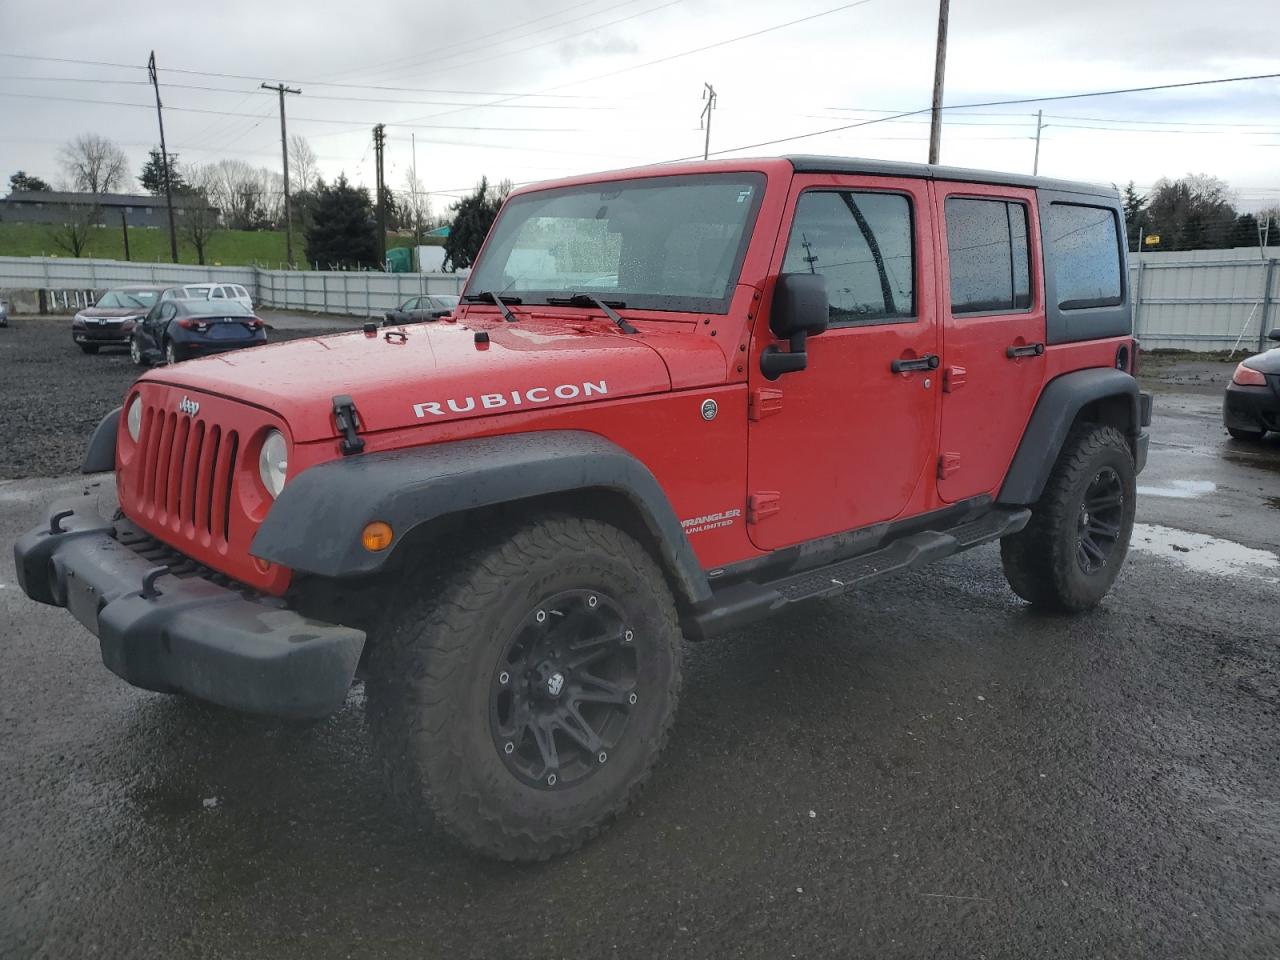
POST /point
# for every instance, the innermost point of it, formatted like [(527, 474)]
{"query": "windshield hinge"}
[(347, 418)]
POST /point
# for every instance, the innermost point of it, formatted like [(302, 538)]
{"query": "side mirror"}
[(1274, 334), (800, 309)]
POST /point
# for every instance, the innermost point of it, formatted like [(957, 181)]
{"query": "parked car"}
[(810, 373), (4, 312), (110, 321), (1251, 405), (419, 309), (220, 291), (177, 329)]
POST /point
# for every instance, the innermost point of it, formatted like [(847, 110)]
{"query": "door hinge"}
[(347, 420), (761, 505), (948, 464), (764, 402), (953, 378)]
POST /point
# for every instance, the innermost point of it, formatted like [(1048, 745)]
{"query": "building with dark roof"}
[(139, 210)]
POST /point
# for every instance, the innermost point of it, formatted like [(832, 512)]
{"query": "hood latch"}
[(347, 418)]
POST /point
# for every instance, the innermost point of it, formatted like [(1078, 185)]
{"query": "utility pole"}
[(939, 72), (379, 139), (164, 159), (1035, 166), (417, 210), (124, 225), (705, 119), (281, 89)]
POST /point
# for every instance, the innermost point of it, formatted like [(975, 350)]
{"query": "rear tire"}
[(88, 347), (523, 695), (1247, 435), (1071, 551)]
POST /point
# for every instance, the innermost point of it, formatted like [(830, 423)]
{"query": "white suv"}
[(219, 291)]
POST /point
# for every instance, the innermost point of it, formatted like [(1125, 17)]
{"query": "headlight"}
[(273, 462), (134, 419)]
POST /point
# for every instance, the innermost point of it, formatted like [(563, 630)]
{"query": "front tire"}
[(135, 353), (524, 695), (173, 353), (1070, 553)]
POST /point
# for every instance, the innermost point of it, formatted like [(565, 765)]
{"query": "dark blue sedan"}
[(176, 330)]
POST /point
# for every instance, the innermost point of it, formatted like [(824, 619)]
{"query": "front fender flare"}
[(315, 524), (100, 455)]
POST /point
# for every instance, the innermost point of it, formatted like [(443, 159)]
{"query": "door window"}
[(862, 244), (988, 256), (1083, 245)]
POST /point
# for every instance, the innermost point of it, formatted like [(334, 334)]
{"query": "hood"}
[(112, 313), (439, 373), (1268, 362)]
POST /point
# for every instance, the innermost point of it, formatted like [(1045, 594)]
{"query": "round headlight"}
[(273, 462), (134, 419)]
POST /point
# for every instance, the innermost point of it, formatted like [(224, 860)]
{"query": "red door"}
[(991, 298), (848, 442)]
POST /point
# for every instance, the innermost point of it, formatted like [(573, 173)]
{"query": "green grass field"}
[(228, 248)]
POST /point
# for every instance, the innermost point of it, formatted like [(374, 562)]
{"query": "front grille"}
[(186, 474)]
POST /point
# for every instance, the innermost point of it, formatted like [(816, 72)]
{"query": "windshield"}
[(663, 243), (198, 289), (214, 308), (127, 299)]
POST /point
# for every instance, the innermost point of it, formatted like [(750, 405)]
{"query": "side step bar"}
[(741, 603)]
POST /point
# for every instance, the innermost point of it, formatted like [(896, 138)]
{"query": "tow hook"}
[(149, 591), (55, 522)]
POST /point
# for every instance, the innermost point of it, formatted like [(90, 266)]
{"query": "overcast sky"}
[(530, 91)]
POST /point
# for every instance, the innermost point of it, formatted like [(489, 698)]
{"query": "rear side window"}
[(1083, 247), (862, 244), (988, 255), (242, 292), (217, 292)]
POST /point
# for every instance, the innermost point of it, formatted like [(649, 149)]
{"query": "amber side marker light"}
[(376, 536)]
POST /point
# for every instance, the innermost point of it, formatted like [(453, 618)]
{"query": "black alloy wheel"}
[(1100, 521), (563, 689)]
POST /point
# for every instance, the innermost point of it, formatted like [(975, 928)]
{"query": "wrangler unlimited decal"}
[(513, 398), (710, 521)]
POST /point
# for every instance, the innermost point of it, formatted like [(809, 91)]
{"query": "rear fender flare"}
[(315, 525), (1059, 405)]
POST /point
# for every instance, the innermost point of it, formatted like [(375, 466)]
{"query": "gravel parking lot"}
[(923, 768), (54, 395)]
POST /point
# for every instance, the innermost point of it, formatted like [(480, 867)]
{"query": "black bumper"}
[(192, 636), (1252, 408)]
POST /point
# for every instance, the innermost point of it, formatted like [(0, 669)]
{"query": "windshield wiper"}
[(498, 300), (586, 300)]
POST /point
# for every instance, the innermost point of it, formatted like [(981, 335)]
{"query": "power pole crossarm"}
[(164, 159), (281, 89), (939, 72)]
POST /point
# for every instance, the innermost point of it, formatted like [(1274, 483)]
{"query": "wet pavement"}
[(920, 769)]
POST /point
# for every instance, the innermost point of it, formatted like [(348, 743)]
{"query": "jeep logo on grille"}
[(188, 406)]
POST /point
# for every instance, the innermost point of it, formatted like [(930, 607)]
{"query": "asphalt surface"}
[(921, 769), (54, 395)]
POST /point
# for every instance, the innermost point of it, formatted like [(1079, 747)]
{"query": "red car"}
[(110, 322), (674, 400)]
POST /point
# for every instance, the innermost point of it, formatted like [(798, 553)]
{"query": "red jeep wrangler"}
[(674, 400)]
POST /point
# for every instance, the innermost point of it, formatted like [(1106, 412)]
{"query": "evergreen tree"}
[(343, 230), (1135, 209), (472, 217), (152, 176), (20, 181)]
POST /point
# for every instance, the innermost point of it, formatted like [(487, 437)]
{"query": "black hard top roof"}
[(924, 171)]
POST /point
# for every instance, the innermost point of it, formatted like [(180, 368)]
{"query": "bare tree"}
[(236, 189), (304, 169), (73, 234), (271, 195), (93, 163), (199, 220), (415, 204)]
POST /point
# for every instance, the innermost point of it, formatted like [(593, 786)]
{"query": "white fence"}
[(1197, 300), (341, 292)]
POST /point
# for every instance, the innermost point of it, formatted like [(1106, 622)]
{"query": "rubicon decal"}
[(710, 521), (510, 398)]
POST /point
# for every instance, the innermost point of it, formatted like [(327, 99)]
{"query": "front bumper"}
[(1252, 408), (190, 635), (105, 336)]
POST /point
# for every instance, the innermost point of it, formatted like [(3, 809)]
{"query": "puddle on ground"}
[(1205, 554), (1263, 459), (1179, 489)]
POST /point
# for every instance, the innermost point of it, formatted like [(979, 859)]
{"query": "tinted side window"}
[(862, 244), (988, 255), (1083, 246)]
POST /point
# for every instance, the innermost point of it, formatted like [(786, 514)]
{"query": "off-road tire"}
[(89, 348), (1248, 435), (1040, 562), (433, 666)]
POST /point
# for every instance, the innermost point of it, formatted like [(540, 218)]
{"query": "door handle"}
[(1030, 350), (929, 361)]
